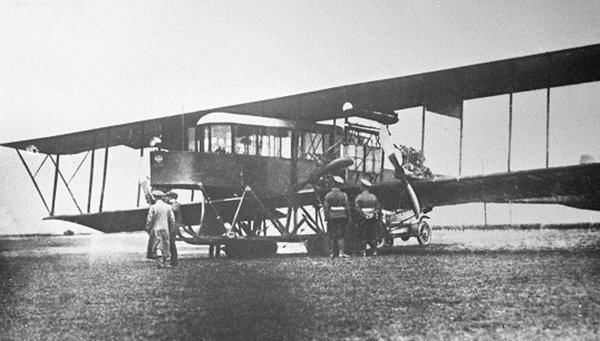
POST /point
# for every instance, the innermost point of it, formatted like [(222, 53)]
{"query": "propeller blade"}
[(401, 175), (414, 201), (333, 166)]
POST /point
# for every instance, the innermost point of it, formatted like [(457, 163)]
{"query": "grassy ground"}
[(467, 285)]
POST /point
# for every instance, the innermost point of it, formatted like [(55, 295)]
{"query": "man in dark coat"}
[(337, 215), (367, 205), (171, 199)]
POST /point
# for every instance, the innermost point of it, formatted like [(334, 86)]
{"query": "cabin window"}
[(286, 145), (245, 140), (269, 141), (205, 141), (192, 139), (220, 139)]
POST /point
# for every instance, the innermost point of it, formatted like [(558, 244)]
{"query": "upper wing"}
[(576, 186), (441, 91)]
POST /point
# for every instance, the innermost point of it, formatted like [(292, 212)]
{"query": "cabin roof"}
[(228, 118)]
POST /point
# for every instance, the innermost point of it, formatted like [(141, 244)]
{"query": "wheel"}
[(404, 238), (424, 236)]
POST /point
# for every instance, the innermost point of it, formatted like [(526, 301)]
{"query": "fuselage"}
[(228, 152)]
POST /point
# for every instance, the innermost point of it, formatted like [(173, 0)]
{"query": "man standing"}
[(171, 199), (150, 249), (368, 206), (158, 223), (337, 215)]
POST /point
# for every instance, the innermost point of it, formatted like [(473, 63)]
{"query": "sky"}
[(72, 65)]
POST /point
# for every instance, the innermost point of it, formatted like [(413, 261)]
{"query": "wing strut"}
[(32, 177), (55, 184), (275, 222), (104, 178), (65, 182)]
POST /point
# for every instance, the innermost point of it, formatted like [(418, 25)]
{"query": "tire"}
[(424, 237)]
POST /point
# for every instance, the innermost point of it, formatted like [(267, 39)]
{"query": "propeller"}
[(401, 175), (332, 167)]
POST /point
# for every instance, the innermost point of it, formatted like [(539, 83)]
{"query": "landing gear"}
[(424, 236)]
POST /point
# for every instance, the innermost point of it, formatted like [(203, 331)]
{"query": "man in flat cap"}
[(158, 223), (171, 199), (368, 226), (337, 215)]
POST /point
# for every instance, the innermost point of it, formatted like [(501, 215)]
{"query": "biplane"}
[(258, 171)]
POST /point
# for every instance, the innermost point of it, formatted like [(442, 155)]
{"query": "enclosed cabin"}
[(227, 152)]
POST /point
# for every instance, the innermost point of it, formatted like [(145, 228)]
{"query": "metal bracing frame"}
[(56, 171), (548, 128), (104, 178), (275, 221), (510, 126), (57, 174), (78, 167), (32, 177), (368, 139), (314, 223), (56, 164), (316, 139), (40, 166), (423, 129), (237, 211), (310, 222), (294, 160), (460, 145), (510, 131), (139, 185), (91, 182), (238, 227)]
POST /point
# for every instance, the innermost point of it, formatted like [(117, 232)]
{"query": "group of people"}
[(162, 224), (164, 220), (339, 219)]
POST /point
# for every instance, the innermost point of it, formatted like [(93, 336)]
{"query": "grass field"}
[(534, 285)]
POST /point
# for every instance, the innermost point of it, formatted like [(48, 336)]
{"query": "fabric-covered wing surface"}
[(440, 91), (576, 186)]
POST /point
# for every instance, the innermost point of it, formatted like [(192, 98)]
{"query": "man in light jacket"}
[(158, 223)]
